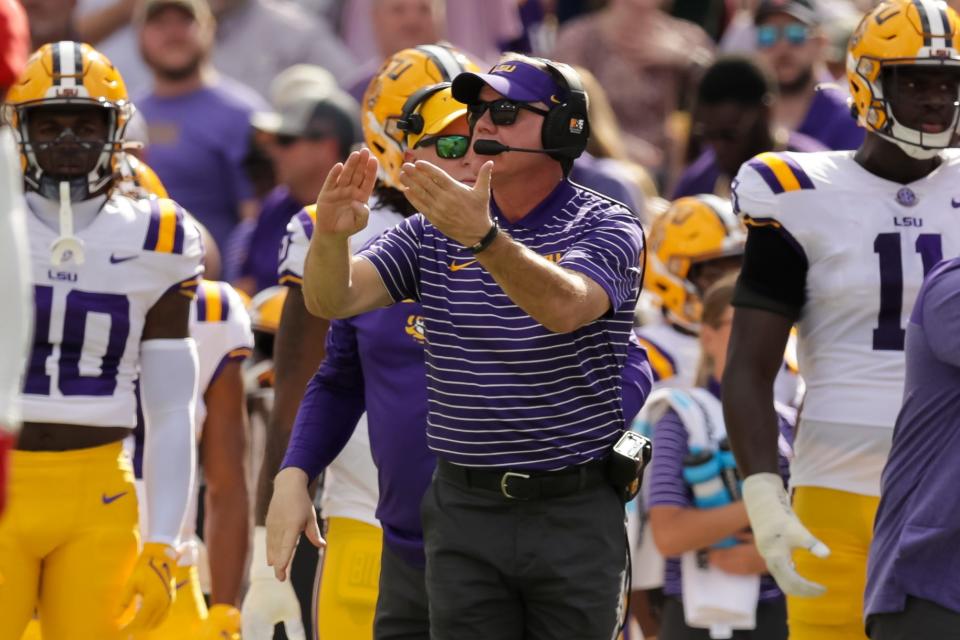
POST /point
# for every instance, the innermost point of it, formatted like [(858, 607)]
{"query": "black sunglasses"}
[(503, 112), (449, 147)]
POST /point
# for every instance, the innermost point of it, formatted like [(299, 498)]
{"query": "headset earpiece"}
[(410, 122), (567, 126)]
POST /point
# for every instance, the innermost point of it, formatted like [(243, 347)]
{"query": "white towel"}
[(716, 600)]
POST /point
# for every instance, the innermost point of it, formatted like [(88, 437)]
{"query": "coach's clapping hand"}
[(459, 211), (342, 204)]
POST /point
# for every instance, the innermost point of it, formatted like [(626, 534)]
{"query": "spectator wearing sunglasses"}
[(791, 44), (733, 118), (307, 136)]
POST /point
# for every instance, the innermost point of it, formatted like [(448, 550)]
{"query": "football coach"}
[(528, 291)]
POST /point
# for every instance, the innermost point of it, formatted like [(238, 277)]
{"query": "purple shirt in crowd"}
[(261, 260), (598, 175), (915, 534), (703, 176), (375, 362), (668, 488), (503, 391), (829, 121), (197, 145)]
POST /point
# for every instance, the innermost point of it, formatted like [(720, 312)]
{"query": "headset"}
[(566, 128), (410, 122)]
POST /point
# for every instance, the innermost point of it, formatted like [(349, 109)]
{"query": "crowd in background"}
[(681, 92)]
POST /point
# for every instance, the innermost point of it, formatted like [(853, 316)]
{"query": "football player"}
[(398, 90), (220, 326), (14, 314), (113, 283), (693, 244), (839, 243)]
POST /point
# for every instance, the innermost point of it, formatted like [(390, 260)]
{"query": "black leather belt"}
[(526, 485)]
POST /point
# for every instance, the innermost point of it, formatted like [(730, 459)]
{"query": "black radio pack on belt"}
[(630, 456)]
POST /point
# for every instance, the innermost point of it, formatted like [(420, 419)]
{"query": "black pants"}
[(523, 570), (771, 623), (402, 612), (920, 620)]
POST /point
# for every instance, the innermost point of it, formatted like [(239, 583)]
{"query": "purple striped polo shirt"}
[(503, 391)]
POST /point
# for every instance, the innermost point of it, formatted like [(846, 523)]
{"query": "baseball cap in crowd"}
[(513, 79), (300, 81), (802, 10), (331, 115), (199, 9)]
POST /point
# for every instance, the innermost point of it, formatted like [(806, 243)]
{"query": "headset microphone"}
[(493, 148)]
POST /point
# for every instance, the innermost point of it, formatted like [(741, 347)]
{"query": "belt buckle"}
[(505, 478)]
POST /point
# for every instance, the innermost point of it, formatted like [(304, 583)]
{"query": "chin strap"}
[(67, 246)]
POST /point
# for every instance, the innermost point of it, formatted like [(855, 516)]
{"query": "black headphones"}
[(566, 127), (410, 122)]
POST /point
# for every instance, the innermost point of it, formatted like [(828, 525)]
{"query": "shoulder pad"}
[(217, 302), (167, 228)]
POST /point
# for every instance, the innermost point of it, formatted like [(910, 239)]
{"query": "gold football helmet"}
[(901, 32), (693, 231), (75, 74), (394, 113), (266, 308)]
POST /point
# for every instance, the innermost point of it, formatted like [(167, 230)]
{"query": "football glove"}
[(154, 582), (222, 623), (268, 601), (778, 531)]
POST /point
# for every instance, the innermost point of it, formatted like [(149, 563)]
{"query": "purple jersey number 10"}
[(78, 305), (890, 334)]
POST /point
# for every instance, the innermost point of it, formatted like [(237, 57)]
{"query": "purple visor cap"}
[(514, 79)]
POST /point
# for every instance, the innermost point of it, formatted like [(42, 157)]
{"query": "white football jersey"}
[(868, 243), (350, 488), (673, 355), (89, 316), (221, 327)]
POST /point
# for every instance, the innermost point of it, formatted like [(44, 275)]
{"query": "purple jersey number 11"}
[(78, 305), (890, 334)]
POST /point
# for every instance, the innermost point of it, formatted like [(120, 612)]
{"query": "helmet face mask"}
[(67, 141), (903, 64)]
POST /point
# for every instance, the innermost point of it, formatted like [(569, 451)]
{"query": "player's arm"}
[(168, 387), (335, 283), (328, 415), (601, 271), (223, 450), (770, 295), (15, 291)]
